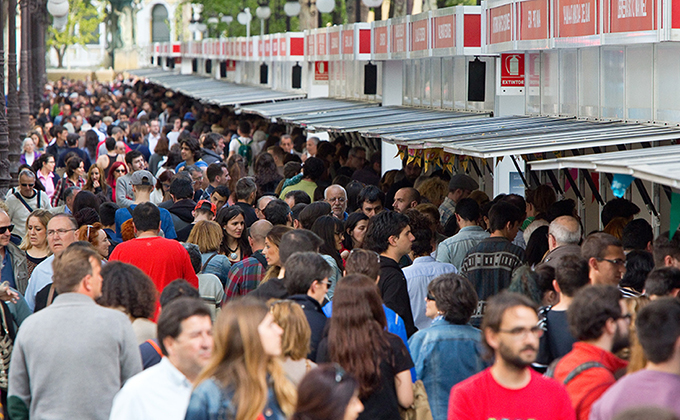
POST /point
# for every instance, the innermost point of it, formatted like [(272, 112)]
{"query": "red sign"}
[(364, 41), (419, 34), (500, 28), (244, 49), (275, 47), (631, 15), (535, 19), (251, 48), (348, 42), (321, 44), (473, 30), (398, 38), (231, 65), (380, 39), (267, 47), (444, 32), (512, 70), (176, 48), (297, 47), (310, 44), (321, 71), (334, 43), (576, 18)]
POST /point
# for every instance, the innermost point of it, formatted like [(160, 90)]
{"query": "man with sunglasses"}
[(605, 257), (23, 202), (13, 263), (510, 389), (61, 232)]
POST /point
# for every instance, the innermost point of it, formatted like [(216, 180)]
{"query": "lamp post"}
[(244, 18), (263, 12), (291, 8), (12, 94), (324, 6), (24, 92), (5, 178)]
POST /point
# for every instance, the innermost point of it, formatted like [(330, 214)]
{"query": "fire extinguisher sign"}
[(512, 70)]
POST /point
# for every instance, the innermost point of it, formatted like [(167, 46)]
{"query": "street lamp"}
[(291, 8), (244, 18), (59, 11), (263, 12)]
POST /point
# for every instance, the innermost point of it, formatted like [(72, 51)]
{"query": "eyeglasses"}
[(520, 333), (327, 283), (339, 373), (28, 185), (6, 228), (338, 199), (627, 317), (617, 261), (120, 171), (430, 297), (59, 232)]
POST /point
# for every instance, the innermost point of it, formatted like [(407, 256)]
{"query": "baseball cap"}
[(142, 178), (206, 205)]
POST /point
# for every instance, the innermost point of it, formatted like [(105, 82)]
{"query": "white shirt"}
[(234, 144), (41, 277), (418, 277), (153, 141), (172, 138), (160, 392)]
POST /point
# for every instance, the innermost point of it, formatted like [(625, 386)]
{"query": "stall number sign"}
[(512, 70), (576, 18), (632, 15), (321, 71), (500, 29), (534, 19)]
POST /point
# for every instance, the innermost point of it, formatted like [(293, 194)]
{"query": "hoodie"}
[(181, 213)]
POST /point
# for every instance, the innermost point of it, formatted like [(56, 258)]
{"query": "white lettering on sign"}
[(382, 39), (348, 41), (399, 31), (534, 18), (576, 13), (421, 35), (501, 23), (334, 43), (632, 8), (444, 31)]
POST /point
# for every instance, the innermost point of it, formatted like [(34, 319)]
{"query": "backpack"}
[(246, 151)]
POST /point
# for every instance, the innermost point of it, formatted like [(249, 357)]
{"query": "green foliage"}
[(81, 28), (449, 3)]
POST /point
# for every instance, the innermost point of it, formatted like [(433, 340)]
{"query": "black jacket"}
[(272, 289), (181, 213), (394, 291), (250, 215), (316, 319)]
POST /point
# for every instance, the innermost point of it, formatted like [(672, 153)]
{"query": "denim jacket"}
[(210, 401), (445, 354)]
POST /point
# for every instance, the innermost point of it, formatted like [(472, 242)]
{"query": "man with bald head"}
[(261, 204), (406, 198), (61, 232), (564, 236), (13, 259), (245, 275), (336, 196)]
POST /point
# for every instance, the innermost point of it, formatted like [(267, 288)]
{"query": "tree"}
[(81, 28)]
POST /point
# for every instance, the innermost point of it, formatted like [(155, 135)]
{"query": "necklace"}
[(232, 252)]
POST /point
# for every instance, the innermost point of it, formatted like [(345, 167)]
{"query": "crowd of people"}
[(166, 260)]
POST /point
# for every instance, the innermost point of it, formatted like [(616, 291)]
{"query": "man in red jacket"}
[(600, 321), (164, 260)]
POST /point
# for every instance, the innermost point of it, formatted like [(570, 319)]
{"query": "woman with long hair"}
[(91, 142), (271, 251), (296, 339), (329, 229), (44, 170), (162, 191), (358, 342), (328, 393), (236, 168), (75, 172), (95, 182), (354, 230), (208, 236), (267, 176), (38, 138), (34, 243), (95, 235), (28, 152), (244, 378), (160, 154), (235, 236), (117, 170)]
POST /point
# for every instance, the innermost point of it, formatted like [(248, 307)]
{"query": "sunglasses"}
[(5, 228), (431, 297), (120, 171), (27, 185)]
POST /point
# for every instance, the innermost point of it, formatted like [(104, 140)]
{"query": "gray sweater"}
[(70, 360)]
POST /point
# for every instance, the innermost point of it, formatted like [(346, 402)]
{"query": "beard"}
[(515, 359), (620, 341)]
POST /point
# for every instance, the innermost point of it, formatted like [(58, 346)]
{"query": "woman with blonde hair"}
[(208, 236), (271, 251), (34, 243), (295, 340), (244, 378)]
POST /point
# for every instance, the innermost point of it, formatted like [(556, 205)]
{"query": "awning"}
[(519, 135), (655, 164), (290, 109), (370, 118), (212, 91)]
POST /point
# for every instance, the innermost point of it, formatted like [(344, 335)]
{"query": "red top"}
[(480, 397), (589, 385), (164, 260)]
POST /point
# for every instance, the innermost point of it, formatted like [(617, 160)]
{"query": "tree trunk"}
[(60, 56)]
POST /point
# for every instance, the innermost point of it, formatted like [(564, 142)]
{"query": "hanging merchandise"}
[(431, 158), (401, 152), (620, 184), (414, 155), (447, 160), (675, 215), (465, 162)]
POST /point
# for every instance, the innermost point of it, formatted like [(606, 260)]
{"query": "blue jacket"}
[(445, 354), (210, 402)]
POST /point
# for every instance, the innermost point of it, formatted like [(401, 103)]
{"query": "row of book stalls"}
[(578, 94)]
